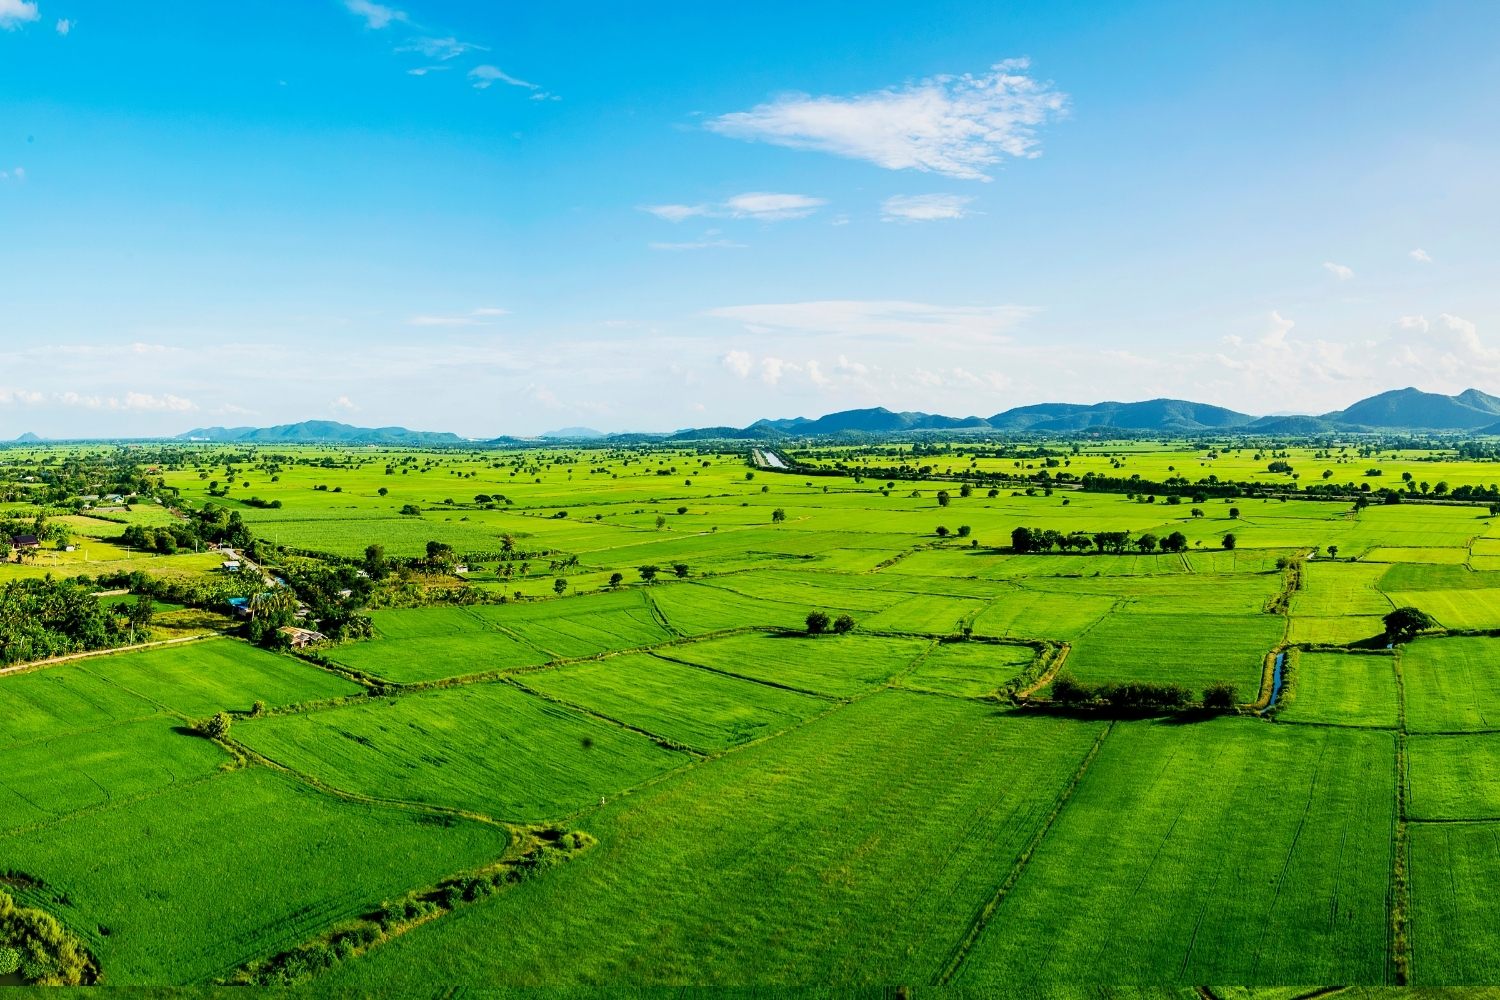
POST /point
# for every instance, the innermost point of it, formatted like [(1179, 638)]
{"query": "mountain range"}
[(1400, 409)]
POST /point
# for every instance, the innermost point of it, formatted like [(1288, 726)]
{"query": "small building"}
[(230, 566), (299, 637), (25, 542), (241, 607)]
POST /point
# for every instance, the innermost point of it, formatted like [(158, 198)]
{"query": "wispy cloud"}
[(767, 206), (1420, 254), (924, 207), (375, 15), (441, 48), (342, 405), (952, 125), (64, 26), (13, 12), (882, 319), (1340, 271), (132, 401), (485, 75), (468, 320), (770, 207), (424, 70)]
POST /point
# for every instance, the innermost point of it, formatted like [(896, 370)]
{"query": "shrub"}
[(257, 710), (963, 530), (1228, 541), (681, 569), (842, 624), (1220, 696), (817, 622), (411, 510), (682, 510), (10, 961), (648, 573), (216, 727), (942, 498), (942, 532), (615, 579), (1070, 691)]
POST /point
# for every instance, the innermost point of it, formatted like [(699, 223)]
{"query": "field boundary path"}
[(39, 664), (1049, 673)]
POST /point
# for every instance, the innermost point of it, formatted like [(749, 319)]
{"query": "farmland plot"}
[(489, 748), (923, 613), (695, 609), (1149, 876), (838, 665), (46, 779), (429, 658), (1454, 777), (580, 626), (836, 815), (1440, 555), (1452, 684), (707, 711), (1185, 648), (971, 669), (1346, 689), (64, 699), (1455, 927), (190, 883), (1039, 614), (1331, 589), (1455, 608), (198, 679)]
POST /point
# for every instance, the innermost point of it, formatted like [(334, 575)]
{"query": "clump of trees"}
[(41, 949), (1040, 540), (1140, 696), (48, 617), (817, 623)]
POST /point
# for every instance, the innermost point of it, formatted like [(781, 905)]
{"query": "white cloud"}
[(771, 369), (675, 213), (845, 365), (738, 362), (424, 70), (485, 75), (888, 320), (1340, 271), (64, 26), (8, 396), (924, 207), (766, 206), (20, 174), (441, 48), (1420, 254), (146, 401), (952, 125), (816, 375), (13, 12), (342, 404), (375, 15), (770, 207), (239, 411)]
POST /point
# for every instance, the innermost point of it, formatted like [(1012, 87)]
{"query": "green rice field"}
[(769, 796)]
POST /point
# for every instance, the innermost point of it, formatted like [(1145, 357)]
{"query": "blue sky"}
[(490, 219)]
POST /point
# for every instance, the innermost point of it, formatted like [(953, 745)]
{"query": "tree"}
[(1333, 551), (1197, 512), (965, 490), (942, 498), (682, 510), (615, 579), (1220, 696), (963, 530), (440, 554), (140, 614), (817, 622), (1175, 542), (942, 532), (375, 560), (217, 727), (559, 585), (1404, 623), (411, 510), (1146, 543), (749, 476), (778, 515), (993, 493), (1020, 540), (842, 624), (661, 522), (1228, 542), (1069, 691), (1234, 513), (648, 573), (382, 491), (681, 569)]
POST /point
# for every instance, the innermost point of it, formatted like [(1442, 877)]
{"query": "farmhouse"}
[(299, 637), (25, 542)]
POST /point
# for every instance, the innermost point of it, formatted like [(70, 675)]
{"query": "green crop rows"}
[(782, 736)]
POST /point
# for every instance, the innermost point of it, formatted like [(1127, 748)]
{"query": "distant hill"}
[(28, 438), (1412, 408), (320, 432), (573, 433), (1153, 414)]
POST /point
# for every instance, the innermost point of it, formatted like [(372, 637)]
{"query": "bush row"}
[(1137, 696)]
